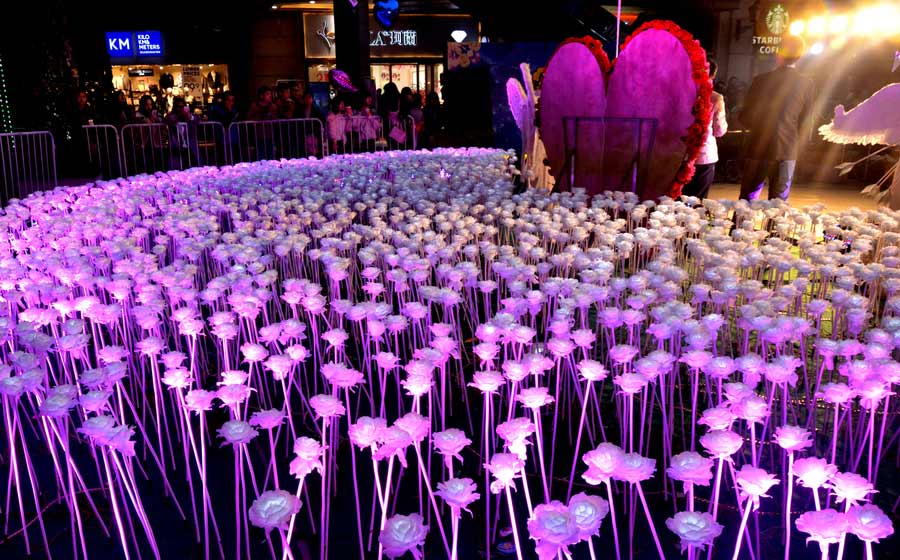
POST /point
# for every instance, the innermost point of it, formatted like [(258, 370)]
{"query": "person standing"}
[(705, 170), (776, 110)]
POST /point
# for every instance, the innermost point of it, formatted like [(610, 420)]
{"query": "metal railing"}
[(28, 162), (104, 151), (264, 140), (28, 159), (606, 153)]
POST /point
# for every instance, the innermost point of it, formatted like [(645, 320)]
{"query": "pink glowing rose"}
[(505, 467), (342, 376), (827, 526), (487, 381), (634, 468), (850, 487), (402, 534), (718, 418), (589, 512), (622, 353), (602, 462), (792, 438), (326, 406), (458, 492), (869, 523), (534, 397), (721, 444), (233, 395), (308, 455), (199, 400), (754, 483), (836, 393), (515, 371), (267, 419), (392, 442), (254, 352), (691, 467), (515, 434), (553, 527), (386, 360), (366, 431), (592, 370), (417, 384), (697, 529), (696, 359), (736, 392), (274, 509), (751, 409), (416, 425), (813, 472), (450, 443), (630, 383), (719, 367), (237, 432)]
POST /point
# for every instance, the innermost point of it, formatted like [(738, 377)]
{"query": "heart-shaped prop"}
[(661, 74)]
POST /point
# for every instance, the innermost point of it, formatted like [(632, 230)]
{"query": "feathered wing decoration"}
[(874, 121), (522, 101)]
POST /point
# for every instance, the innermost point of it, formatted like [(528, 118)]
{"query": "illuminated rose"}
[(718, 418), (505, 467), (792, 438), (691, 467), (308, 456), (534, 397), (869, 523), (850, 487), (199, 400), (487, 381), (237, 431), (634, 468), (450, 443), (515, 434), (813, 472), (592, 370), (721, 444), (754, 483), (267, 419), (826, 527), (589, 512), (366, 431), (458, 492), (416, 425), (326, 406), (602, 462), (402, 534), (697, 529), (553, 527), (274, 509)]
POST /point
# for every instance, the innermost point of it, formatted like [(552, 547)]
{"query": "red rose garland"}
[(596, 48), (702, 110)]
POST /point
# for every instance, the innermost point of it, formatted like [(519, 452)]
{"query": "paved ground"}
[(836, 197)]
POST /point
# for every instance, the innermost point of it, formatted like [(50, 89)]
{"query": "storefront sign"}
[(772, 23), (119, 44), (191, 81), (413, 36), (140, 72), (149, 43), (398, 38), (128, 44)]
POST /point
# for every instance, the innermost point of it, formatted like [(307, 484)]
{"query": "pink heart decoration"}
[(661, 73)]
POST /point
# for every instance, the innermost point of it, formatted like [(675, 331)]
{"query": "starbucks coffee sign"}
[(772, 23)]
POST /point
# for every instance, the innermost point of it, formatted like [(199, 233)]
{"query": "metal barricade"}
[(146, 148), (360, 134), (606, 153), (265, 140), (212, 145), (28, 161), (400, 133), (104, 151)]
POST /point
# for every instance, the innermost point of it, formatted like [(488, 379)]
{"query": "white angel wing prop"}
[(874, 121), (518, 101)]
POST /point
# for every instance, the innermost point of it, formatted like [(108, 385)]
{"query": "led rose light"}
[(402, 534), (695, 529), (869, 524), (825, 526), (553, 528)]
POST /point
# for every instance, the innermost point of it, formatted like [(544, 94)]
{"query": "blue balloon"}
[(386, 12)]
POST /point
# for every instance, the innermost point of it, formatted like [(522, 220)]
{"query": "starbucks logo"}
[(777, 19)]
